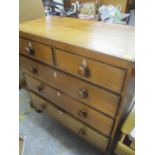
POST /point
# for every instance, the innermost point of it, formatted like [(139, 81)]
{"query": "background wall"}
[(30, 9)]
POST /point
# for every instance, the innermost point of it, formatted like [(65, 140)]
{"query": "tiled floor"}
[(45, 136)]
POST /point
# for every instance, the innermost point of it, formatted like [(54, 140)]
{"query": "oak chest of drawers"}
[(81, 73)]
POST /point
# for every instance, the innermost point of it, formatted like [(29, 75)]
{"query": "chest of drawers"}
[(81, 73)]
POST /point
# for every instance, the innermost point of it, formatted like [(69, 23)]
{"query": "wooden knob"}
[(82, 113), (30, 51), (40, 87), (34, 70), (82, 131), (83, 71), (82, 93)]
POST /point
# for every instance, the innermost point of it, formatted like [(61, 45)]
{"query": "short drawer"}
[(97, 98), (34, 68), (104, 75), (91, 117), (35, 50), (76, 126)]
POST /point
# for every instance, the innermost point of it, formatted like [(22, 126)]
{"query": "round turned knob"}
[(83, 71), (82, 131), (30, 51), (82, 93), (40, 87), (34, 70), (82, 113), (43, 106)]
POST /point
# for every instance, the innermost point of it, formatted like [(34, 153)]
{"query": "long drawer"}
[(105, 75), (94, 97), (75, 108), (36, 51), (76, 126)]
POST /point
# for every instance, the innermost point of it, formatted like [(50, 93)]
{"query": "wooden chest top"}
[(105, 39)]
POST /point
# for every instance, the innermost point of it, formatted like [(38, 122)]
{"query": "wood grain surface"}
[(97, 98), (109, 77), (77, 109), (40, 51), (110, 39), (90, 135), (91, 76)]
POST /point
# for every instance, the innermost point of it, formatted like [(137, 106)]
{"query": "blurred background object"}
[(109, 11), (89, 10), (59, 7), (54, 7), (126, 5), (131, 20), (113, 14)]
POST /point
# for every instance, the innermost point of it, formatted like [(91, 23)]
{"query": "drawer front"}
[(76, 126), (34, 68), (104, 75), (94, 97), (37, 51), (75, 108)]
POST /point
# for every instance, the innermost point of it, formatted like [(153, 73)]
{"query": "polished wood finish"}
[(76, 126), (110, 43), (30, 66), (97, 98), (77, 109), (35, 50), (87, 71), (99, 73)]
